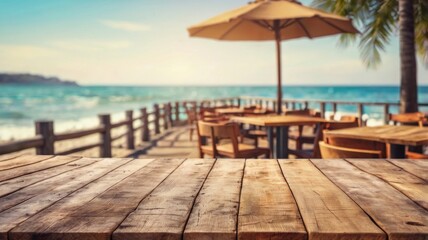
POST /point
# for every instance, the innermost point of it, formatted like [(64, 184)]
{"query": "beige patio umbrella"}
[(272, 20)]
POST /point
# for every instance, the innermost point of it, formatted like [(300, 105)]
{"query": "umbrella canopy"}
[(277, 20)]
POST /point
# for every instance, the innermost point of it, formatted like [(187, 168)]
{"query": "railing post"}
[(157, 116), (360, 114), (170, 113), (177, 112), (165, 116), (238, 102), (145, 132), (386, 113), (293, 105), (130, 140), (46, 129), (322, 109), (334, 108), (305, 105), (105, 149)]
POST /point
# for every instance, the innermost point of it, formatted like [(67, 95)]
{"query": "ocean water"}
[(77, 107)]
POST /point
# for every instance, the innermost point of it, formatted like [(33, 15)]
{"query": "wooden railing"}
[(160, 118), (294, 104)]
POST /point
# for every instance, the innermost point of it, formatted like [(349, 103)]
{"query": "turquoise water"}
[(77, 107)]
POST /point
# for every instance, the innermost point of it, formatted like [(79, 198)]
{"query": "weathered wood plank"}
[(22, 181), (267, 208), (395, 213), (418, 167), (21, 205), (328, 213), (38, 166), (96, 210), (5, 157), (22, 161), (410, 185), (163, 214), (215, 212)]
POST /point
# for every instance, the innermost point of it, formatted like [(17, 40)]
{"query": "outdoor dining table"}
[(397, 136), (281, 124), (65, 197), (239, 111)]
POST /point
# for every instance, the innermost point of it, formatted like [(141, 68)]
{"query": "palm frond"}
[(378, 31), (421, 29), (377, 18)]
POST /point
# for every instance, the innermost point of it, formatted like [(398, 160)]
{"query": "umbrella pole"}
[(278, 59)]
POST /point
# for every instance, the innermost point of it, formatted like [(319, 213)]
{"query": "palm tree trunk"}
[(409, 88)]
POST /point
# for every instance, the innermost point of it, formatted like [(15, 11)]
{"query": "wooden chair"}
[(192, 117), (356, 144), (415, 118), (414, 155), (297, 134), (407, 118), (333, 152), (218, 133), (315, 151)]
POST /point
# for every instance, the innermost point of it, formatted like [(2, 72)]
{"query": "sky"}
[(145, 42)]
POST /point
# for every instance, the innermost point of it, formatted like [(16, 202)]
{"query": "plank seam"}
[(17, 225), (239, 202), (371, 218), (388, 160), (196, 196), (75, 159), (13, 167), (106, 190), (39, 182), (294, 198), (383, 180), (148, 194), (10, 157)]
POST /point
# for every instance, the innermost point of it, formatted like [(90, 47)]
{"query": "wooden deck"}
[(64, 197)]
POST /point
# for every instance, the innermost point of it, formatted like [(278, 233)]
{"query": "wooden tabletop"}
[(230, 111), (46, 197), (277, 121), (403, 135)]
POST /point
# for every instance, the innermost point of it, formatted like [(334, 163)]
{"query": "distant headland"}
[(31, 79)]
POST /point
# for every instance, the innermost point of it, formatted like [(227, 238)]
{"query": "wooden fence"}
[(160, 117), (294, 104)]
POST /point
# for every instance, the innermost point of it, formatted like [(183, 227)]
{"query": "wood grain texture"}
[(416, 167), (277, 121), (215, 212), (24, 180), (22, 161), (267, 208), (21, 205), (5, 157), (164, 213), (328, 213), (107, 201), (413, 187), (395, 213), (404, 135), (42, 165)]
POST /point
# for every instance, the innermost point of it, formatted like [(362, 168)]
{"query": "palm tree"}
[(380, 19)]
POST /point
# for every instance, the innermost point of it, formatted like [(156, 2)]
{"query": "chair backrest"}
[(349, 118), (415, 118), (216, 132), (330, 152), (192, 117), (356, 143), (341, 125)]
